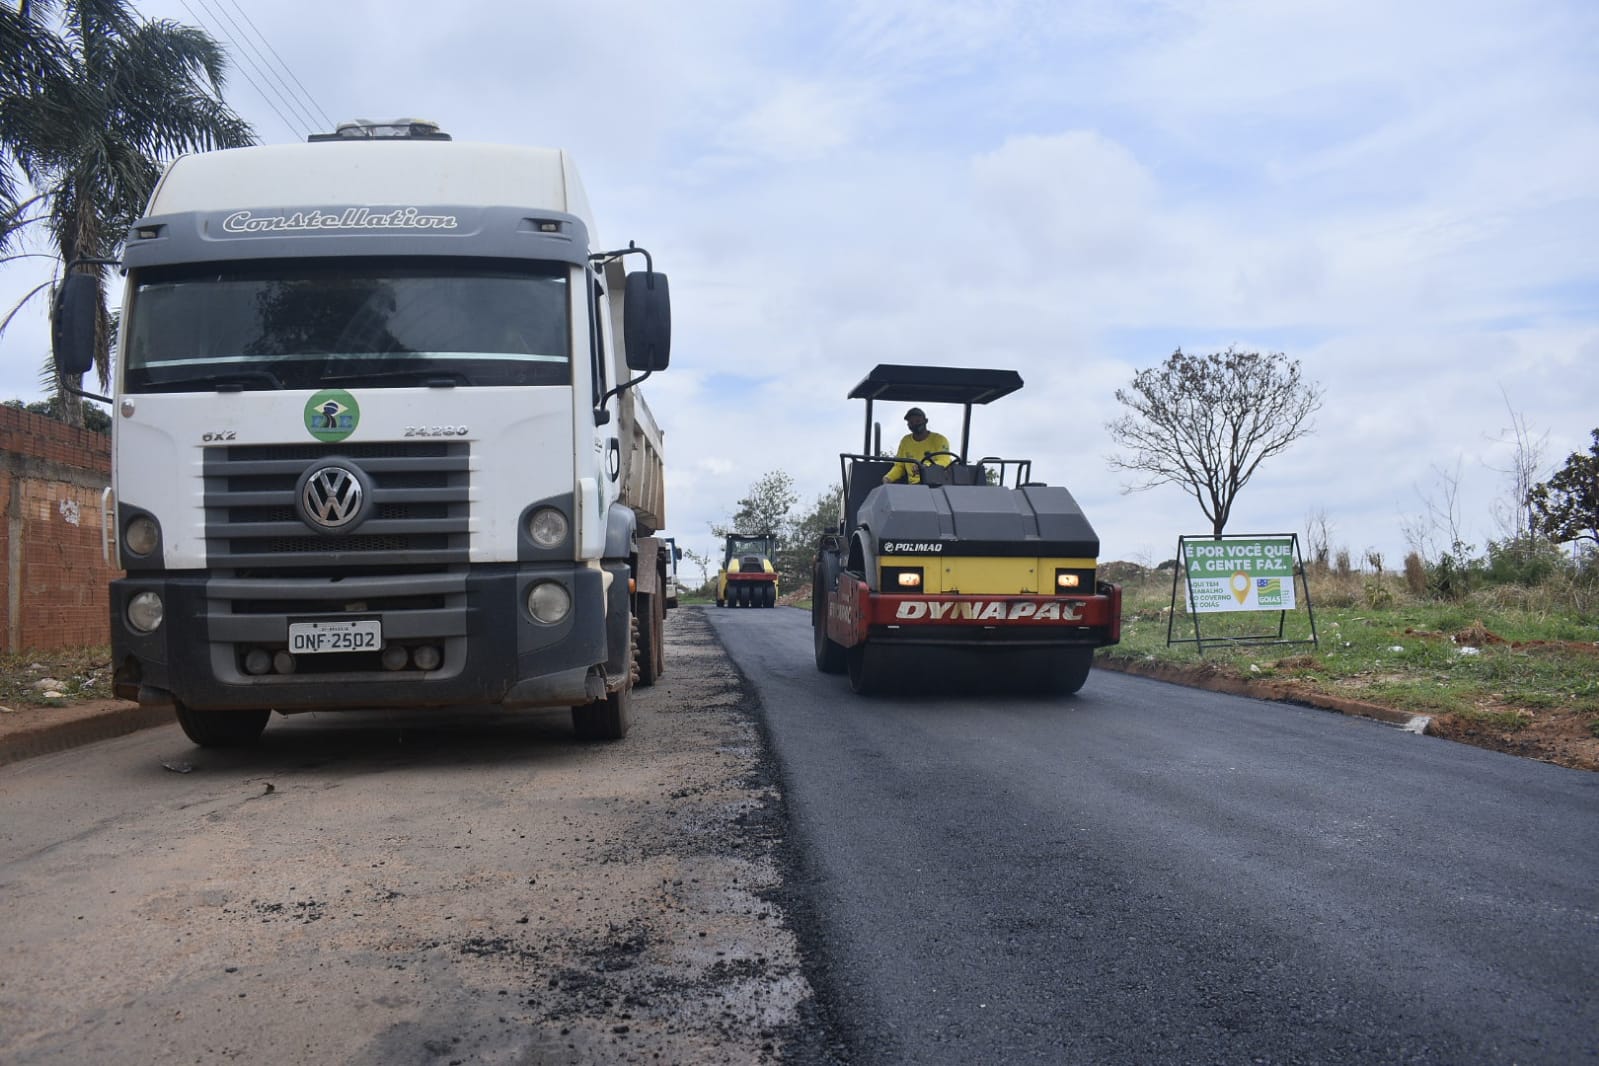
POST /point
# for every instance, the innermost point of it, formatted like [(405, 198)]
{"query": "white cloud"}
[(1401, 195)]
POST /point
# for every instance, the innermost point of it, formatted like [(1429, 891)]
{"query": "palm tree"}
[(94, 101)]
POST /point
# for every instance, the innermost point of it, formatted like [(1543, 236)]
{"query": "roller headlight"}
[(549, 602), (141, 536), (144, 612), (902, 579), (547, 528), (1074, 580)]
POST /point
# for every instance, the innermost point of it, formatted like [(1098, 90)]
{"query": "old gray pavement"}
[(395, 889)]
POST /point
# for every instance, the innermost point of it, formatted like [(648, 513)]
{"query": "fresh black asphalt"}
[(1145, 873)]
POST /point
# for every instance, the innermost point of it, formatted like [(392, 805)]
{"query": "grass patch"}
[(79, 674), (1413, 654)]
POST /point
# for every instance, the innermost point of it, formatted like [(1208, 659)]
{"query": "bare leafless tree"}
[(1318, 537), (1206, 422), (1515, 516), (1440, 517)]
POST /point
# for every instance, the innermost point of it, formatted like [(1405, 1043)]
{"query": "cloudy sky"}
[(1402, 196)]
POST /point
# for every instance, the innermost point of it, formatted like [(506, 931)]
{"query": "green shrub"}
[(1452, 575), (1525, 560)]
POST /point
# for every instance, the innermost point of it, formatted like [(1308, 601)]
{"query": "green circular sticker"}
[(331, 415)]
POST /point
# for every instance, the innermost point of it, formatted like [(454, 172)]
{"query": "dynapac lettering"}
[(350, 218), (990, 611)]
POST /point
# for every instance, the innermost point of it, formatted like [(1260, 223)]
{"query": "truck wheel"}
[(771, 595), (1067, 669), (650, 643), (607, 719), (222, 729), (659, 636)]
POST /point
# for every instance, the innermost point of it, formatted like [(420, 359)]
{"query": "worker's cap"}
[(915, 412)]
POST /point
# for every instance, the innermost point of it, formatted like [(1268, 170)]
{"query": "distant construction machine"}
[(748, 577)]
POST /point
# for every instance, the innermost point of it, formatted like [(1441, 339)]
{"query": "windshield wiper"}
[(229, 381), (440, 379)]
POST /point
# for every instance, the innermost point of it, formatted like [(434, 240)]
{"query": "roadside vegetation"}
[(1503, 664), (55, 678)]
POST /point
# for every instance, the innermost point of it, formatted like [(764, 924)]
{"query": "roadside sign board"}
[(1239, 574), (1242, 574)]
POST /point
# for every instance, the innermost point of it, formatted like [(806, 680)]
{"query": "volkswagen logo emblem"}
[(333, 497)]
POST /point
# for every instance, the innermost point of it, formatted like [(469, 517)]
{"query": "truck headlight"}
[(548, 602), (141, 536), (144, 612), (547, 528)]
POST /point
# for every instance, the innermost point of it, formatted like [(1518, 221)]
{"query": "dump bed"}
[(643, 463)]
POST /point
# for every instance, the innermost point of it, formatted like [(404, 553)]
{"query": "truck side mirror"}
[(72, 325), (647, 321)]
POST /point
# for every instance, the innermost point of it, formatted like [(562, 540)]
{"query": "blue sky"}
[(1405, 197)]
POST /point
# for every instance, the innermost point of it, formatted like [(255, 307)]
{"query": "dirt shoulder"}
[(476, 893)]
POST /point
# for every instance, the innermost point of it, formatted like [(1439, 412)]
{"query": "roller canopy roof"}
[(936, 384)]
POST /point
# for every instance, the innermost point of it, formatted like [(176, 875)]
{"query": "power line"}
[(262, 67), (328, 122), (266, 99)]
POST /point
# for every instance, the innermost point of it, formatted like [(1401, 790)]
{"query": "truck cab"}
[(375, 439)]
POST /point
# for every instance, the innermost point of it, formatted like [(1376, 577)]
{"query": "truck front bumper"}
[(216, 631)]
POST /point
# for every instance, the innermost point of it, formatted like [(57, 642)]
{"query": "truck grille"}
[(418, 521)]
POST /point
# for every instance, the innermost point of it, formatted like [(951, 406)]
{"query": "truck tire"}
[(221, 729), (607, 719), (650, 644), (770, 596)]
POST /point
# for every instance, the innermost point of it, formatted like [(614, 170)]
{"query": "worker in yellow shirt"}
[(919, 443)]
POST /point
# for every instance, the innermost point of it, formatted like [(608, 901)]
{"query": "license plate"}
[(315, 638)]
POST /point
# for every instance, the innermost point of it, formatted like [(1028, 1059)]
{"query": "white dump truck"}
[(376, 439)]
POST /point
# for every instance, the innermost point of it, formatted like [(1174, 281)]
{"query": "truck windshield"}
[(298, 324)]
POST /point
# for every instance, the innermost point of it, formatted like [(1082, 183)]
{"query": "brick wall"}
[(51, 480)]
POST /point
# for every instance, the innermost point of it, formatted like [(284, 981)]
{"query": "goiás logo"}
[(989, 611), (331, 415)]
